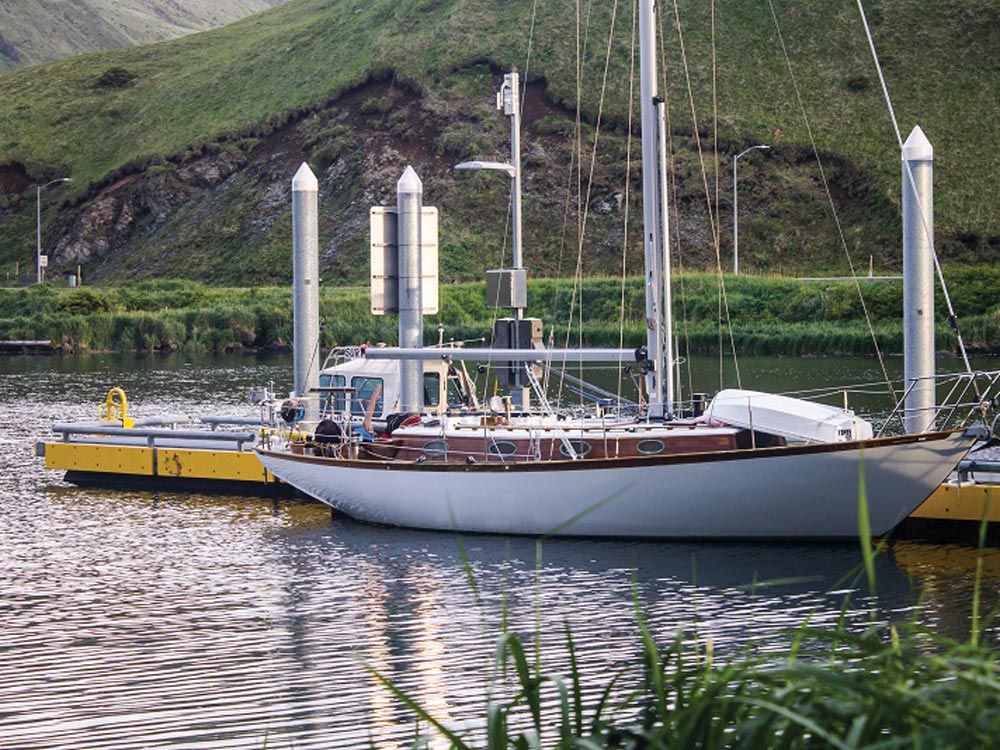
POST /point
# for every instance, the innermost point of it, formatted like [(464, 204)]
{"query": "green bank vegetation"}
[(770, 315)]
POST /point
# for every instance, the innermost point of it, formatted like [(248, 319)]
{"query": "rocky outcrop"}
[(94, 232), (8, 50), (109, 222)]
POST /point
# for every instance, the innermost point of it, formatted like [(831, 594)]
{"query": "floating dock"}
[(973, 493), (201, 460), (25, 346)]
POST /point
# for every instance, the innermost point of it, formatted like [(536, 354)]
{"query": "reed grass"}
[(770, 315), (895, 686)]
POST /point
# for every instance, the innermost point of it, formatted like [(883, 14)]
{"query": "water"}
[(136, 619)]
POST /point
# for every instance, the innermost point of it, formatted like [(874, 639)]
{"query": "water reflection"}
[(165, 619)]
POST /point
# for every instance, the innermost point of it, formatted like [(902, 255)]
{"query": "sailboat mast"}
[(657, 272)]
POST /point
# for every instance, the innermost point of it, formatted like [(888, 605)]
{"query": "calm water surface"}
[(136, 619)]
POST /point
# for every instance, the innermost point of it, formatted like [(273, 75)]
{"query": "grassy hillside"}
[(36, 31), (195, 148)]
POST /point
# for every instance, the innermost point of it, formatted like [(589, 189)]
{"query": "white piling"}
[(305, 280), (409, 203), (918, 282)]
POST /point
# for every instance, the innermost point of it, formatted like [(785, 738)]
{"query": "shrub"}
[(115, 78), (83, 302)]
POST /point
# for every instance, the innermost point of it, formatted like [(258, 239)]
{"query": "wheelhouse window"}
[(432, 389), (456, 399), (364, 389), (332, 403)]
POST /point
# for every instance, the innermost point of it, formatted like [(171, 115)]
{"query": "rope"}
[(829, 197), (952, 317)]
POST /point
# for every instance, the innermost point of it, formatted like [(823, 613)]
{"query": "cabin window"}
[(332, 403), (580, 447), (432, 389), (456, 399), (649, 446), (364, 389), (502, 448), (436, 448)]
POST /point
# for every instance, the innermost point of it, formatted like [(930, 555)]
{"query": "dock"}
[(27, 346), (157, 455)]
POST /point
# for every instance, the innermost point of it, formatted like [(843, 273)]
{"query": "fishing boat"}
[(744, 464)]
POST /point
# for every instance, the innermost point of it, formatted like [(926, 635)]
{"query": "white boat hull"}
[(777, 493)]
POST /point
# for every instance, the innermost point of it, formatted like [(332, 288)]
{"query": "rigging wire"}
[(510, 203), (717, 234), (628, 184), (577, 284), (952, 317), (715, 128), (724, 300), (674, 206), (829, 197)]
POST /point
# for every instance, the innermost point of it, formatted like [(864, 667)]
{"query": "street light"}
[(38, 226), (736, 213)]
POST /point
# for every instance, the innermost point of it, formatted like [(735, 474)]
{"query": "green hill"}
[(181, 152), (37, 31)]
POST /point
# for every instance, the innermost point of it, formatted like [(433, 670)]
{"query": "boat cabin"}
[(351, 383)]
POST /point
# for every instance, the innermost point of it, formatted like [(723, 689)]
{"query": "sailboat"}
[(747, 465)]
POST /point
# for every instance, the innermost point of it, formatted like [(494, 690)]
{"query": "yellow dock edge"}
[(964, 502), (156, 463)]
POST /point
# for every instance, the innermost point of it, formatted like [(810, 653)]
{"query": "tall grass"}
[(770, 315), (893, 686)]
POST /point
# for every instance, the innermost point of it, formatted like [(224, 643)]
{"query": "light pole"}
[(509, 102), (736, 212), (38, 225)]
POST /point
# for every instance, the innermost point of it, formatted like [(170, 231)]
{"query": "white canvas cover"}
[(792, 418)]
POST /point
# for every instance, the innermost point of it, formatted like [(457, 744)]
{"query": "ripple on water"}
[(136, 619)]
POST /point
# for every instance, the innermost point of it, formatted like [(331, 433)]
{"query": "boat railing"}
[(69, 430), (969, 395), (214, 421)]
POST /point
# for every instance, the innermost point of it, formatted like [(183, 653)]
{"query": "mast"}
[(657, 270)]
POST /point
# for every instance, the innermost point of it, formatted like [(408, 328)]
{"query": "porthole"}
[(436, 448), (502, 448), (580, 447), (649, 446)]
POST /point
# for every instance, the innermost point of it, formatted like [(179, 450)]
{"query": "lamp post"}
[(513, 279), (508, 101), (38, 225), (736, 212)]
